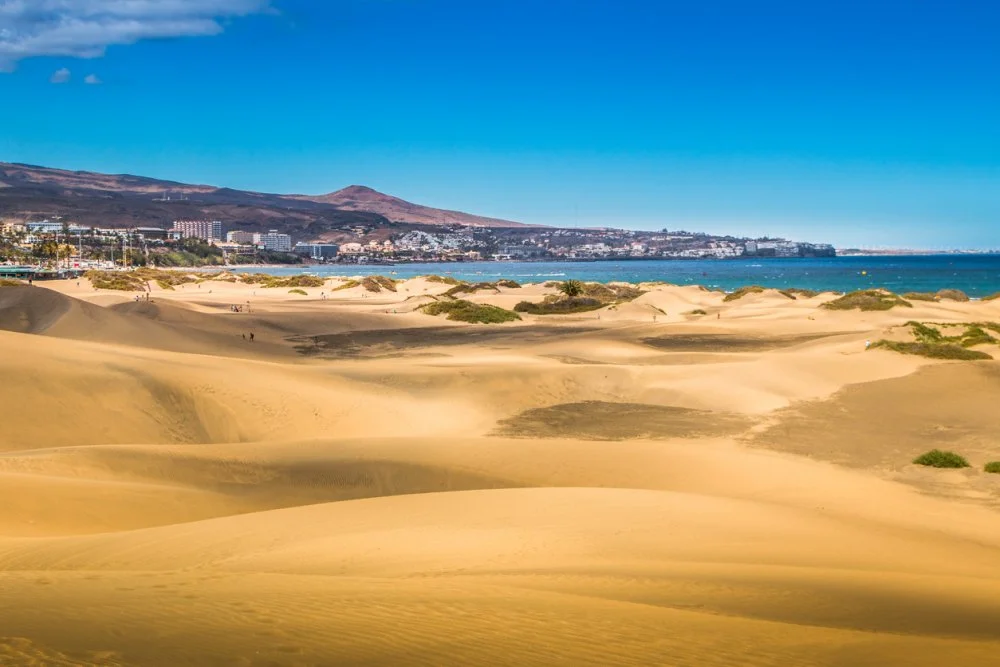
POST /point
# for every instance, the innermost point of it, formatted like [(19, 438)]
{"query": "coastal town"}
[(59, 241)]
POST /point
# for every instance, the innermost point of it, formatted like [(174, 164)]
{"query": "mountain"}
[(361, 198), (123, 200)]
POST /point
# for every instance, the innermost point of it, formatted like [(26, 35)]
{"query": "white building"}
[(276, 242), (209, 230), (243, 238)]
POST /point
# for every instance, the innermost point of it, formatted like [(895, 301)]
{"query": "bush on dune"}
[(564, 306), (590, 296), (474, 313), (952, 295), (940, 295), (378, 283), (992, 297), (742, 292), (298, 291), (350, 284), (509, 284), (920, 296), (867, 300), (7, 282), (268, 281), (941, 459), (122, 281), (796, 292), (447, 280), (992, 467), (933, 350)]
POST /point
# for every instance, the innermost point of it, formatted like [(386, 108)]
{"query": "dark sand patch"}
[(728, 342), (599, 420), (884, 425), (389, 341)]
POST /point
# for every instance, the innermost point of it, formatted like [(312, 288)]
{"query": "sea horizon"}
[(977, 275)]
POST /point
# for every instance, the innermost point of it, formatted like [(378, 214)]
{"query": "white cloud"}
[(85, 28), (61, 76), (92, 80)]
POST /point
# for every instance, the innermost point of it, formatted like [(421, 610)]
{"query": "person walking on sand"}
[(868, 344), (251, 336)]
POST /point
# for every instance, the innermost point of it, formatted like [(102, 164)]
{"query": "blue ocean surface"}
[(976, 275)]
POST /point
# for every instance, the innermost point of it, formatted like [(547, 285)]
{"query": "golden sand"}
[(365, 484)]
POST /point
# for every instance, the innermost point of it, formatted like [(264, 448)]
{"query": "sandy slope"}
[(727, 489)]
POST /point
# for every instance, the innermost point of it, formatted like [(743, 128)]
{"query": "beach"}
[(220, 472)]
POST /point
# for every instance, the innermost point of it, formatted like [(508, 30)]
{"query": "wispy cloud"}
[(85, 28), (92, 80), (61, 76)]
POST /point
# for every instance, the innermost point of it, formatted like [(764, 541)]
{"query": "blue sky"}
[(868, 123)]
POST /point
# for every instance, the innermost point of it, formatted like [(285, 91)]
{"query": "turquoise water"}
[(977, 275)]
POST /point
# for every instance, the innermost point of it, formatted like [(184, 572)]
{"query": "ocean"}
[(976, 275)]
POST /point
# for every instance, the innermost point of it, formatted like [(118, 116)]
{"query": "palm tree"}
[(571, 288)]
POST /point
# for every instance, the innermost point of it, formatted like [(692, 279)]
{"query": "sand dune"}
[(369, 487)]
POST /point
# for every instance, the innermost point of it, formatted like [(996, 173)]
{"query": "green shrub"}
[(298, 291), (939, 459), (7, 282), (933, 350), (992, 467), (510, 284), (742, 292), (350, 284), (474, 313), (867, 300), (992, 297), (698, 311)]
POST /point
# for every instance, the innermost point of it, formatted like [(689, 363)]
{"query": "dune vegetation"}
[(993, 467), (268, 281), (737, 294), (446, 280), (458, 310), (940, 295), (937, 458), (868, 300), (580, 297), (933, 350), (798, 292), (300, 292), (8, 282), (378, 283)]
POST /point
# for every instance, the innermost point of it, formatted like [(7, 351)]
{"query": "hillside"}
[(361, 198), (124, 200)]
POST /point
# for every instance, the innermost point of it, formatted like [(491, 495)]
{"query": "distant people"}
[(868, 344), (718, 316), (244, 336), (251, 336)]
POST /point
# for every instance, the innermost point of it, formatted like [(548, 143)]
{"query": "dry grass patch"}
[(867, 300), (474, 313)]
